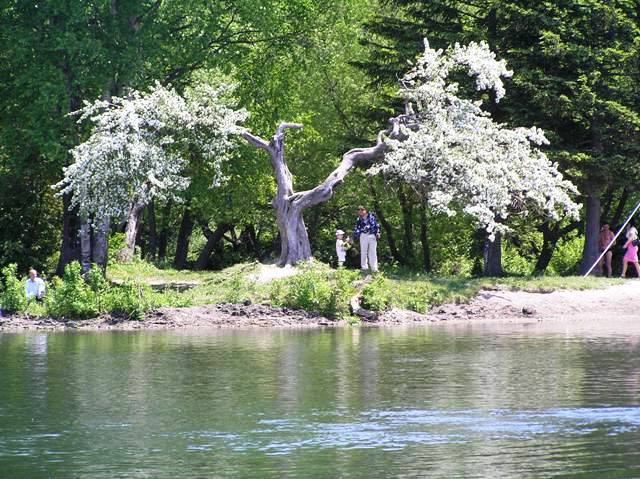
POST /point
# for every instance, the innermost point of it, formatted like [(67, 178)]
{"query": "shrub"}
[(13, 298), (376, 296), (71, 296), (130, 299), (313, 289), (237, 289), (566, 257), (116, 243), (423, 298)]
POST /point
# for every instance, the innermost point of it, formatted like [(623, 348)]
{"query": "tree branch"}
[(257, 142), (283, 126)]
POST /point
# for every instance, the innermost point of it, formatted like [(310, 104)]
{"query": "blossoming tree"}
[(138, 150), (444, 145)]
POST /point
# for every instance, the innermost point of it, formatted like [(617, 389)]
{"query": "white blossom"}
[(140, 146), (452, 150)]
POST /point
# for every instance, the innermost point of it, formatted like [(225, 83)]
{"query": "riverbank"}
[(492, 304)]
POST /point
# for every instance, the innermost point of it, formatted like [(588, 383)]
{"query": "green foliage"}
[(513, 262), (116, 243), (71, 296), (129, 299), (567, 256), (316, 289), (74, 297), (12, 297), (377, 295), (425, 296)]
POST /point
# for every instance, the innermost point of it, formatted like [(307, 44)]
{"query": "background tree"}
[(575, 67), (138, 150)]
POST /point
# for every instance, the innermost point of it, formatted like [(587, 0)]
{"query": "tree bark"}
[(591, 231), (213, 239), (407, 222), (85, 245), (184, 235), (550, 238), (493, 257), (593, 213), (152, 245), (125, 255), (424, 238), (100, 248), (289, 205), (69, 247), (163, 239)]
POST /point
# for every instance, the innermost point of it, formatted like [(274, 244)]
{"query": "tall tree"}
[(139, 149), (575, 77), (444, 145)]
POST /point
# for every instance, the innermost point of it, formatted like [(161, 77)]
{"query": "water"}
[(425, 402)]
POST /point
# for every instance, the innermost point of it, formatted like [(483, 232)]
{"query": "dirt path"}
[(565, 308), (620, 302)]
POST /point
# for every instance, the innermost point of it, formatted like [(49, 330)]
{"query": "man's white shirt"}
[(34, 288)]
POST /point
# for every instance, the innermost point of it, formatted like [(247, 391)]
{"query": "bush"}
[(116, 243), (424, 297), (376, 296), (566, 257), (513, 262), (313, 289), (130, 299), (71, 296), (13, 298)]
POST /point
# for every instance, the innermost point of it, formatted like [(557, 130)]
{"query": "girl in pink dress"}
[(631, 256)]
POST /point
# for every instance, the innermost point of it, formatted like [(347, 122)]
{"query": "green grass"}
[(233, 284), (319, 287)]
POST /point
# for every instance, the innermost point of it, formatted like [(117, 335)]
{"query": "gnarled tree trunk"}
[(85, 245), (69, 247), (213, 239), (100, 246), (125, 255), (289, 205), (493, 257)]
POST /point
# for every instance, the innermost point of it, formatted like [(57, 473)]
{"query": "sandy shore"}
[(563, 308)]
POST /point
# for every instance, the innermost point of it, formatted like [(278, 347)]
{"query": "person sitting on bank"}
[(367, 229), (34, 287)]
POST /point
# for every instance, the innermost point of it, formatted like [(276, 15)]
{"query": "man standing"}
[(368, 230), (34, 287)]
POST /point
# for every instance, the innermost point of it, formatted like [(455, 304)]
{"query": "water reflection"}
[(449, 402)]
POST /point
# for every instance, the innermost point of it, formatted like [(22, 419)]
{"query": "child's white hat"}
[(339, 232)]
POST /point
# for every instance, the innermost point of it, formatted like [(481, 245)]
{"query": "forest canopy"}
[(332, 67)]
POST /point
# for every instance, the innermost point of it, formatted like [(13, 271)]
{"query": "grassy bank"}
[(130, 290), (320, 288)]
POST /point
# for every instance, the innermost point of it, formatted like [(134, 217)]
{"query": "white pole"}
[(613, 240)]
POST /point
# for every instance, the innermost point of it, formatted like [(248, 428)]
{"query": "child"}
[(631, 256), (342, 245)]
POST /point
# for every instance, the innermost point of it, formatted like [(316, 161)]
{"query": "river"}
[(453, 402)]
